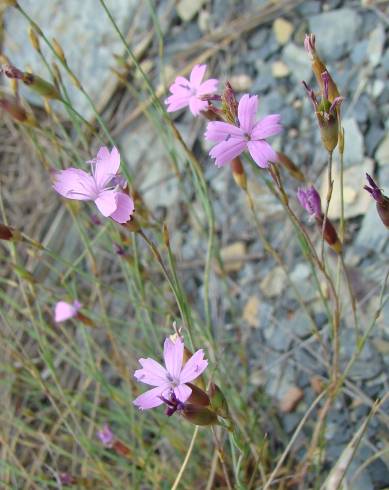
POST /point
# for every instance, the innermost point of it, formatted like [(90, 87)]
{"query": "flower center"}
[(173, 381), (247, 136)]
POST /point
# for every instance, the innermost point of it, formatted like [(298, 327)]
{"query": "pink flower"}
[(100, 187), (247, 135), (188, 92), (106, 436), (64, 311), (170, 380)]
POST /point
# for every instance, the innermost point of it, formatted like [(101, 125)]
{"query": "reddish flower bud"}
[(8, 233), (330, 234), (12, 106), (199, 415), (198, 396), (238, 173)]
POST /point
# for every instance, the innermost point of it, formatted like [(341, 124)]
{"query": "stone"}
[(156, 188), (282, 29), (232, 256), (298, 62), (336, 32), (251, 311), (372, 236), (241, 83), (376, 44), (279, 69), (356, 199), (354, 147), (291, 399), (187, 9), (273, 283), (373, 137), (382, 152), (88, 39)]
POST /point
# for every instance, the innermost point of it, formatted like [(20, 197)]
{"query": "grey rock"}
[(266, 50), (354, 150), (362, 481), (376, 44), (385, 60), (373, 138), (309, 8), (359, 53), (372, 236), (276, 336), (87, 38), (336, 32), (300, 325), (382, 153), (298, 62), (258, 39)]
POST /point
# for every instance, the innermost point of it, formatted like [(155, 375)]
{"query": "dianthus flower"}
[(246, 134), (310, 200), (106, 436), (189, 92), (169, 381), (103, 186), (64, 311)]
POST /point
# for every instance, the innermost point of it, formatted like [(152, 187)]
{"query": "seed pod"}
[(58, 50), (291, 167), (41, 86), (34, 40), (12, 106), (198, 396), (238, 173), (199, 415), (218, 400), (330, 234)]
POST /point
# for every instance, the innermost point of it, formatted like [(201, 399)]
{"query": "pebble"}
[(336, 32), (273, 283), (298, 62), (187, 9), (251, 311), (382, 152), (282, 29), (291, 399), (356, 199), (354, 147), (279, 69), (376, 44), (241, 83), (232, 256)]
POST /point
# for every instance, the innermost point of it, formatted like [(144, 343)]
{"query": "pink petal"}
[(220, 131), (152, 373), (196, 105), (247, 110), (175, 103), (180, 82), (106, 166), (124, 208), (208, 87), (182, 392), (268, 126), (180, 90), (74, 183), (150, 399), (64, 311), (106, 202), (197, 75), (262, 153), (225, 151), (193, 367), (173, 354)]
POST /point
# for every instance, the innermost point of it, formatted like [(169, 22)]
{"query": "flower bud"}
[(382, 201), (330, 234), (85, 320), (229, 104), (11, 105), (41, 86), (238, 173), (198, 396), (318, 67), (290, 166), (34, 40), (310, 200), (10, 234), (58, 50), (199, 415), (121, 449), (218, 401)]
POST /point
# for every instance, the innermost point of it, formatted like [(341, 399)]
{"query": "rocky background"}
[(257, 46)]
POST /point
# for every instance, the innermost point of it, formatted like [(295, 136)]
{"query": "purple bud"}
[(309, 44), (106, 436), (66, 479), (326, 78), (374, 190), (310, 200)]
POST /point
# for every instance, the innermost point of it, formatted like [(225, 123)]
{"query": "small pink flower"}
[(170, 380), (106, 436), (246, 135), (64, 311), (188, 92), (100, 186)]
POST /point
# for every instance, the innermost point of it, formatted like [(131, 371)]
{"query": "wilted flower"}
[(170, 381), (246, 134), (382, 201), (106, 436), (190, 92), (64, 311), (100, 187), (310, 200)]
